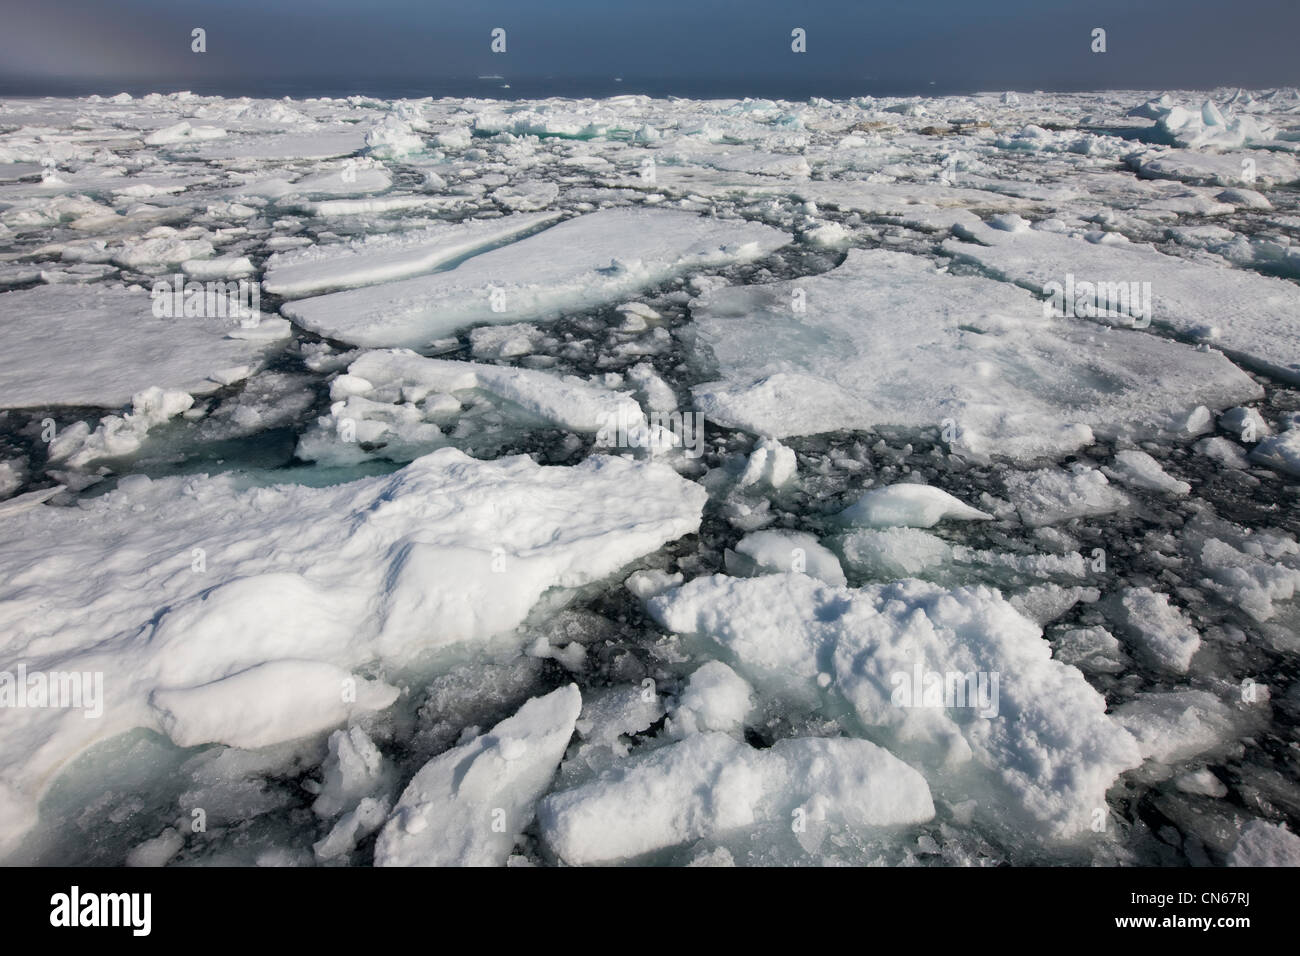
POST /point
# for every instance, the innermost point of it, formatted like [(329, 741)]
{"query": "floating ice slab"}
[(1173, 726), (889, 339), (1051, 495), (318, 269), (760, 552), (1158, 630), (1236, 168), (467, 807), (1246, 315), (199, 583), (323, 143), (64, 345), (711, 784), (909, 506), (599, 258), (1046, 741)]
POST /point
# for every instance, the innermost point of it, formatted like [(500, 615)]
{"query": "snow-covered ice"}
[(888, 339), (216, 616), (599, 258), (68, 346), (886, 480)]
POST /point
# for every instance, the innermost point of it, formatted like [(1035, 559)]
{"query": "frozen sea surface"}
[(464, 481)]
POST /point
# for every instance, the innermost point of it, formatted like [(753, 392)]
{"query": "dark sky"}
[(691, 47)]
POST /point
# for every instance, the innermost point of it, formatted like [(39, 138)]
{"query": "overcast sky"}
[(728, 47)]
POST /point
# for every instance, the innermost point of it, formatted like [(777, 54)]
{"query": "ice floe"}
[(588, 261), (889, 339)]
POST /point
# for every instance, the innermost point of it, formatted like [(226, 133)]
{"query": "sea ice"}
[(63, 345), (909, 506), (266, 585), (595, 259), (1251, 317), (1050, 747), (711, 784), (888, 339), (466, 807), (388, 257)]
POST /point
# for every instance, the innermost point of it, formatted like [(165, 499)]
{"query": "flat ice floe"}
[(1041, 735), (588, 261), (386, 258), (889, 339), (62, 345), (206, 592), (1251, 317)]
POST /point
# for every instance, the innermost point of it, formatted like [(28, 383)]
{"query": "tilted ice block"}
[(467, 807), (385, 258)]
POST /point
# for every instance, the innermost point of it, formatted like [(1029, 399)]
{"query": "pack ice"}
[(248, 616)]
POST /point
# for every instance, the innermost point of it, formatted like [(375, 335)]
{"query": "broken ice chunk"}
[(467, 806)]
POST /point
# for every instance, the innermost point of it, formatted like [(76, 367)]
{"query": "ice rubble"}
[(888, 339), (1174, 726), (72, 346), (1206, 126), (1050, 747), (1265, 844), (1051, 495), (395, 398), (592, 260), (1248, 316), (294, 587)]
